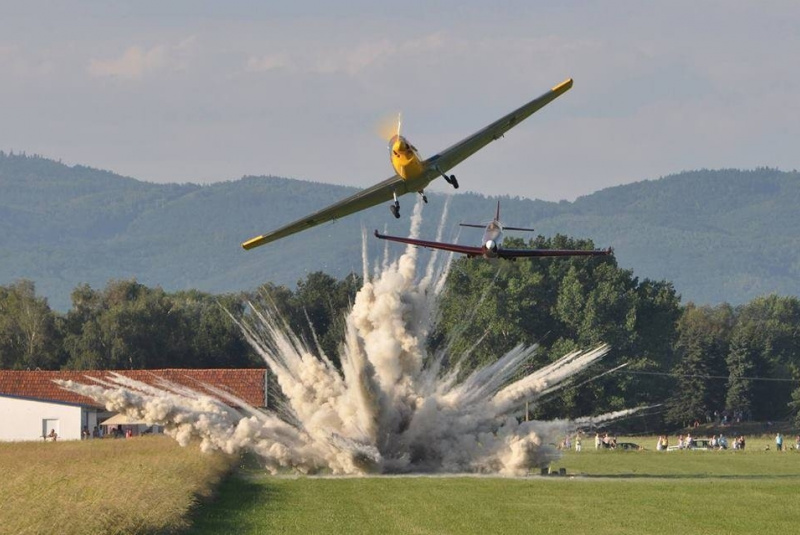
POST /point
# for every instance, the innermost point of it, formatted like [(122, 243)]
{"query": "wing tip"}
[(563, 86), (254, 242)]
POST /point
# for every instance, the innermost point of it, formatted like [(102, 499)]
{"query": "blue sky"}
[(200, 91)]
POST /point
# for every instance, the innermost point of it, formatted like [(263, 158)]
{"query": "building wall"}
[(22, 419)]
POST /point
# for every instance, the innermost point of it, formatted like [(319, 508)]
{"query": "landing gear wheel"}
[(395, 209), (453, 181)]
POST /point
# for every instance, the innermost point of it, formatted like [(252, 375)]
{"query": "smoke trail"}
[(391, 408)]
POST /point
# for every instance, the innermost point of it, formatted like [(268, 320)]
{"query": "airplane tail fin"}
[(497, 218)]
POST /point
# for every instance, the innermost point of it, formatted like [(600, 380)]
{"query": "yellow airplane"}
[(412, 172)]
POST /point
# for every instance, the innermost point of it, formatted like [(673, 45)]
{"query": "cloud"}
[(137, 62), (351, 60), (132, 65), (266, 63), (20, 63)]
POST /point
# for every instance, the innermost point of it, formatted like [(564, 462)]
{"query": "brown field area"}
[(139, 485)]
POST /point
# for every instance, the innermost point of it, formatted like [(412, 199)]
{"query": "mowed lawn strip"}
[(495, 505), (138, 485), (615, 492)]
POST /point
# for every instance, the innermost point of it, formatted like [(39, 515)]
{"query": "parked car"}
[(700, 444), (697, 444)]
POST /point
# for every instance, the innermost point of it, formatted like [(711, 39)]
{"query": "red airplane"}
[(492, 240)]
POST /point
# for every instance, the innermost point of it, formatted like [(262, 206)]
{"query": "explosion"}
[(391, 408)]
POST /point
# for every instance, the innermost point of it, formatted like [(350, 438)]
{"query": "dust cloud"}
[(393, 407)]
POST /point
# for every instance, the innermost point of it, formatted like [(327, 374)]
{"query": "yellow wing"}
[(465, 148), (363, 199)]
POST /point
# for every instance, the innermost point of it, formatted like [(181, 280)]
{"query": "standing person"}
[(578, 442), (779, 442), (597, 441)]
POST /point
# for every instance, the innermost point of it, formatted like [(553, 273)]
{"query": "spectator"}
[(797, 443), (53, 436), (778, 442), (597, 441), (578, 442)]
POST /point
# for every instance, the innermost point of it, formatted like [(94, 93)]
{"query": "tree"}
[(744, 361), (765, 345), (700, 349), (29, 337)]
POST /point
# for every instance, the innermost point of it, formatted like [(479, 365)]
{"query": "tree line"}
[(688, 360), (128, 325)]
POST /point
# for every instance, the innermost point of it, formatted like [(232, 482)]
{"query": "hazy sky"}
[(201, 91)]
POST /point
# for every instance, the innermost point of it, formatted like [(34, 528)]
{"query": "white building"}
[(32, 404), (35, 419)]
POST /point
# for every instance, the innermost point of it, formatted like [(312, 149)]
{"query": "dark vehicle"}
[(701, 444)]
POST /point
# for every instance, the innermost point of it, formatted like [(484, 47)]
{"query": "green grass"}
[(141, 485), (606, 492), (151, 485)]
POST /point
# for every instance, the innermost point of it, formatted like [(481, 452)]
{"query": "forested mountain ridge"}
[(720, 236)]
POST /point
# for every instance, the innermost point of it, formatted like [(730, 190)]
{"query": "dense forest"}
[(691, 360), (719, 236)]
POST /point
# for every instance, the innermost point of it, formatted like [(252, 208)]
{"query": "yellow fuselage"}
[(405, 159)]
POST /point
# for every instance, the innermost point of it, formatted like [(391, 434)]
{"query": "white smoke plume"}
[(392, 408)]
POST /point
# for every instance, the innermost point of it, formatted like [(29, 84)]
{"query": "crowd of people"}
[(714, 442), (683, 442)]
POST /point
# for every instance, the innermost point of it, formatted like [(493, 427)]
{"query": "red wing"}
[(523, 253), (463, 249)]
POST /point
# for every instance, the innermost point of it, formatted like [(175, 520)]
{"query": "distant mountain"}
[(724, 235)]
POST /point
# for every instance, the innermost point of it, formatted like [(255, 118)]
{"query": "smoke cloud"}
[(392, 408)]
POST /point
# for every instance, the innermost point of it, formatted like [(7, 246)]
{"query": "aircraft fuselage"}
[(405, 159), (492, 239)]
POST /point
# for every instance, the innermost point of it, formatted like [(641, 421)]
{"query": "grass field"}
[(605, 492), (151, 485), (141, 485)]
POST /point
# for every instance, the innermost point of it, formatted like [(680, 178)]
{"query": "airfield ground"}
[(148, 485), (605, 492)]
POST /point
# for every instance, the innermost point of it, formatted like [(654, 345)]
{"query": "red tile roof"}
[(247, 384)]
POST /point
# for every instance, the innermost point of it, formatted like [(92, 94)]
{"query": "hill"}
[(725, 235)]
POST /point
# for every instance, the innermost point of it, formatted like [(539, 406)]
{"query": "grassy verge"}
[(140, 485), (608, 492)]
